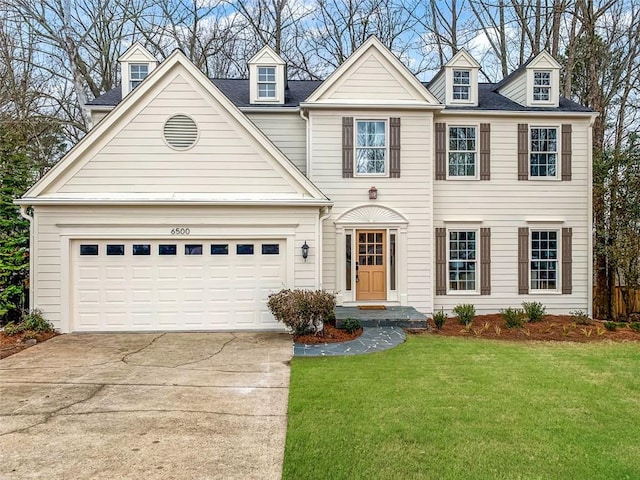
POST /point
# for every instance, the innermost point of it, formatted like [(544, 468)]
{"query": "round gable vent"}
[(180, 132)]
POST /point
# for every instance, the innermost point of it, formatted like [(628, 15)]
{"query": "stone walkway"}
[(373, 339)]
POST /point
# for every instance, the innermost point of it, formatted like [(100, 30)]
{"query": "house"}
[(192, 199)]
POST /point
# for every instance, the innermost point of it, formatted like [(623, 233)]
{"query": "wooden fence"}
[(622, 308)]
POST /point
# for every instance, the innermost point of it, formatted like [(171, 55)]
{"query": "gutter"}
[(169, 202)]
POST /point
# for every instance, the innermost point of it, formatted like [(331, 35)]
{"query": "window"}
[(244, 249), (543, 157), (193, 249), (541, 86), (270, 249), (167, 250), (142, 249), (462, 260), (88, 249), (266, 82), (371, 147), (461, 85), (544, 260), (462, 151), (219, 249), (115, 249), (137, 73)]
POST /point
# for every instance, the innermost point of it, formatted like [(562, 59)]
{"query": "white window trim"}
[(462, 228), (558, 289), (549, 87), (138, 82), (477, 152), (274, 83), (453, 84), (386, 147), (557, 176)]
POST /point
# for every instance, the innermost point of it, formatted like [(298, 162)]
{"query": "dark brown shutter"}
[(485, 151), (394, 148), (523, 151), (566, 152), (485, 261), (441, 261), (567, 262), (347, 147), (441, 151), (523, 260)]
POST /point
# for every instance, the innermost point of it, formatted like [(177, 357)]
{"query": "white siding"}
[(224, 160), (410, 195), (516, 89), (438, 87), (97, 116), (504, 204), (371, 79), (57, 226), (288, 132)]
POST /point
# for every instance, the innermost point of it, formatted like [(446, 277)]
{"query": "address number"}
[(180, 231)]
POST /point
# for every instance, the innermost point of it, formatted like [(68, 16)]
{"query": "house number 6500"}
[(180, 231)]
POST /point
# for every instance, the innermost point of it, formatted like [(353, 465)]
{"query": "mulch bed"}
[(557, 328), (331, 335), (10, 344)]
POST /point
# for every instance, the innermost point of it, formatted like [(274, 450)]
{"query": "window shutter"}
[(523, 260), (394, 148), (485, 151), (441, 151), (566, 152), (485, 261), (347, 147), (523, 151), (567, 261), (441, 261)]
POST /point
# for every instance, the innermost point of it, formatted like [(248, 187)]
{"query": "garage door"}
[(175, 285)]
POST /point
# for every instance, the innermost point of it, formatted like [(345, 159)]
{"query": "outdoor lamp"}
[(305, 251)]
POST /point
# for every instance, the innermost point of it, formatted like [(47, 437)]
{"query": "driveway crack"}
[(124, 359), (233, 338)]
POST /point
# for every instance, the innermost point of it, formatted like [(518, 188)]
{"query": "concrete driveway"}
[(138, 406)]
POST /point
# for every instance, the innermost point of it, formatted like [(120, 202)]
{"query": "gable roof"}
[(267, 51), (134, 49), (103, 129), (462, 55), (373, 44), (522, 68)]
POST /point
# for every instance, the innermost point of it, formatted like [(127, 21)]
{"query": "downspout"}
[(305, 116), (319, 256), (24, 214)]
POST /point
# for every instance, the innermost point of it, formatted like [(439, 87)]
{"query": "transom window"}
[(266, 82), (462, 260), (137, 73), (462, 151), (544, 260), (541, 86), (371, 147), (461, 84), (543, 156)]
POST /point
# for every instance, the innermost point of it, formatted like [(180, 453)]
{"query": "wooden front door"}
[(371, 272)]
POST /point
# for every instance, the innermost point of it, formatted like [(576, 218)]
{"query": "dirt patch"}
[(10, 344), (557, 328), (331, 335)]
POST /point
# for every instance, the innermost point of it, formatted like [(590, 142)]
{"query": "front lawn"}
[(456, 408)]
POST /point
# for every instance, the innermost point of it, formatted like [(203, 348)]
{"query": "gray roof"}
[(237, 91)]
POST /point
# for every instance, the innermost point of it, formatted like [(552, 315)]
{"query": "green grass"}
[(459, 408)]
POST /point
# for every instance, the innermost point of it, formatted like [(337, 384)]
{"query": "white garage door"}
[(175, 285)]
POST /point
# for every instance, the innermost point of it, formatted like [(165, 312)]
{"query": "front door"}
[(371, 274)]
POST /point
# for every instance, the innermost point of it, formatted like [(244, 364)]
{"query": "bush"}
[(513, 317), (534, 311), (303, 311), (635, 326), (32, 321), (581, 317), (465, 313), (439, 319), (351, 325), (611, 326), (12, 328)]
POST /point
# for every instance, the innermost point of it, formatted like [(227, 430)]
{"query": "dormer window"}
[(541, 86), (461, 85), (137, 73), (266, 82)]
